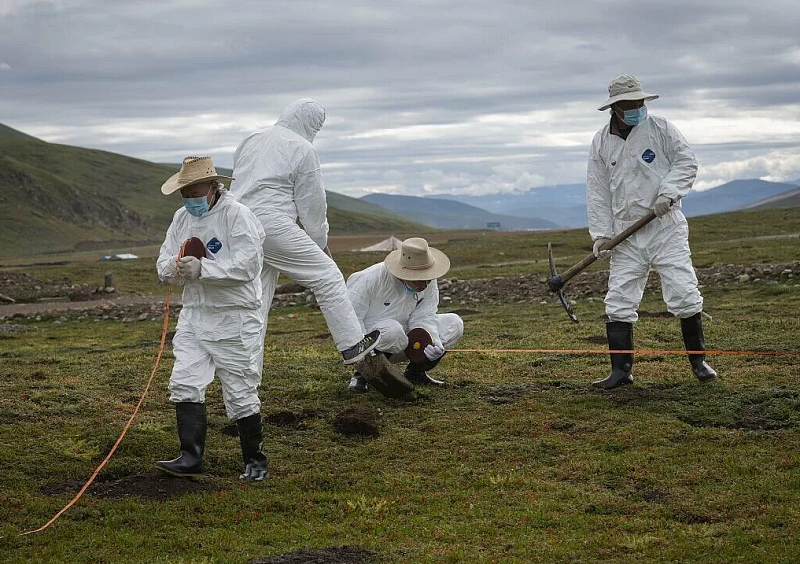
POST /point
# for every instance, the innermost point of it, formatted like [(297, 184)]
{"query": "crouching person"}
[(214, 249), (401, 294)]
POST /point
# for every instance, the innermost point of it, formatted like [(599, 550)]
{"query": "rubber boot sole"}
[(613, 381), (172, 472), (384, 377)]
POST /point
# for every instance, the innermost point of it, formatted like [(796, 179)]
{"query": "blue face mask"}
[(409, 289), (635, 117), (196, 206)]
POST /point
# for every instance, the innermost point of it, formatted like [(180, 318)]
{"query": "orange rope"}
[(127, 425), (635, 351)]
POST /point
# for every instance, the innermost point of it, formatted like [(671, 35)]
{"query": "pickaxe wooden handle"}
[(557, 281)]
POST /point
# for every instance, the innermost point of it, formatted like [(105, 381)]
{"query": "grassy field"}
[(732, 238), (518, 460)]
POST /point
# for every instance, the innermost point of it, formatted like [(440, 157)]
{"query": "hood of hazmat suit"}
[(304, 116), (277, 172)]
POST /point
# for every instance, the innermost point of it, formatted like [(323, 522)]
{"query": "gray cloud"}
[(421, 96)]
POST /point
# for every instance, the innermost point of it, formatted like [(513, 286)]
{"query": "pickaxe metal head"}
[(556, 284)]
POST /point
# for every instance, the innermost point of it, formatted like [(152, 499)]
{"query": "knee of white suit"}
[(451, 329), (624, 312), (240, 394), (623, 297), (393, 338), (242, 405), (687, 305), (184, 392), (329, 285)]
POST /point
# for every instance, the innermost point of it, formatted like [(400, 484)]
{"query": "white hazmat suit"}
[(220, 326), (382, 302), (624, 179), (277, 175)]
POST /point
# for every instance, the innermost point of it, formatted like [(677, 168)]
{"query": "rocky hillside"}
[(56, 198)]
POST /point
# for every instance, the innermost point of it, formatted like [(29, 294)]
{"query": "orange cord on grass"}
[(635, 351), (127, 425)]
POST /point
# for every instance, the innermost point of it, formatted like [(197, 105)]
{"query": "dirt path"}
[(52, 307), (497, 290)]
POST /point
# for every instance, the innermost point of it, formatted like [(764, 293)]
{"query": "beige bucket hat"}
[(415, 260), (626, 87), (193, 171)]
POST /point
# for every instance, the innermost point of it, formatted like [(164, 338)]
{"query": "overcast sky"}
[(436, 96)]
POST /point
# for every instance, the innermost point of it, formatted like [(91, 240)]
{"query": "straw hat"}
[(415, 260), (626, 87), (194, 170)]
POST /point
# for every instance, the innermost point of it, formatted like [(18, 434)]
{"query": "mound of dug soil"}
[(359, 421), (338, 555), (153, 485)]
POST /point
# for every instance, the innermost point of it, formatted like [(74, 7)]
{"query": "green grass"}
[(519, 460), (733, 238)]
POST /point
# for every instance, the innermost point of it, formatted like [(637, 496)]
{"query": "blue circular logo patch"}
[(648, 156)]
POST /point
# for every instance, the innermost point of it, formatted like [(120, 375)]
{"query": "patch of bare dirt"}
[(23, 288), (511, 393), (289, 418), (691, 517), (335, 555), (533, 287), (357, 421), (63, 297), (153, 485), (463, 312), (14, 328), (654, 314), (127, 308), (596, 339)]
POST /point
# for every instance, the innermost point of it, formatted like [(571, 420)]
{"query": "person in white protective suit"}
[(220, 325), (637, 163), (401, 294), (278, 177)]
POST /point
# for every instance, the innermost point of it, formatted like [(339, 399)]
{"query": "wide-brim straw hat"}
[(626, 87), (415, 260), (193, 171)]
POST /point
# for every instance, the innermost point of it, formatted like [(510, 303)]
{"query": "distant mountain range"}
[(452, 214), (788, 199), (735, 195), (56, 198), (565, 204)]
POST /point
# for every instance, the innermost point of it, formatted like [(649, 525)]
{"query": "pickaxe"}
[(557, 281)]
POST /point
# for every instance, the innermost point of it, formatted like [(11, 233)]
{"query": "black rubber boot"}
[(416, 373), (358, 384), (192, 423), (620, 337), (251, 437), (692, 329)]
